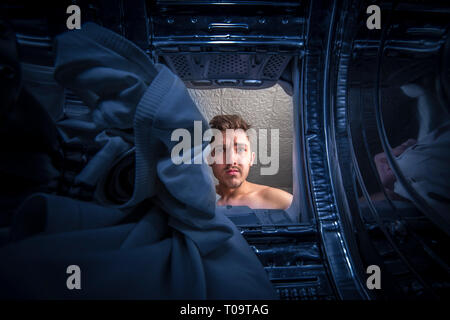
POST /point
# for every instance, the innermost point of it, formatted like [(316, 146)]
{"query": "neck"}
[(228, 193)]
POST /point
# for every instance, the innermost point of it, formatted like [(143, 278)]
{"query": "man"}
[(385, 172), (232, 160)]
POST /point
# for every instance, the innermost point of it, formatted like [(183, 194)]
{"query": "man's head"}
[(231, 151)]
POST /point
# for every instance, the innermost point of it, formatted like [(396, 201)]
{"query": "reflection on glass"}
[(398, 108), (415, 113)]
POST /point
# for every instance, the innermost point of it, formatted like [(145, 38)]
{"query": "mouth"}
[(232, 172)]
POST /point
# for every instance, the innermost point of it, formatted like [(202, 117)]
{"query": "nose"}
[(232, 157)]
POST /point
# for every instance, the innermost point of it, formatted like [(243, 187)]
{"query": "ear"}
[(210, 160), (253, 158)]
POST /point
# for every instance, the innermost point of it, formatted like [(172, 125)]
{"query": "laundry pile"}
[(166, 241)]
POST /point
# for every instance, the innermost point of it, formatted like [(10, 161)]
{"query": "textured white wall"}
[(263, 109)]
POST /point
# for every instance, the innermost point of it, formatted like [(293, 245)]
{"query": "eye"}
[(220, 150)]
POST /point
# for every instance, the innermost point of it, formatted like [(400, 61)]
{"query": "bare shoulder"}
[(278, 198), (269, 192)]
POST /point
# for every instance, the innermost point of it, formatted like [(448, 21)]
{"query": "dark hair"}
[(229, 121)]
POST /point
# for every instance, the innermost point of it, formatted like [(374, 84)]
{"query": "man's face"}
[(232, 158)]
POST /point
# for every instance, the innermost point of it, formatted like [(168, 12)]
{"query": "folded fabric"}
[(167, 241), (425, 167), (108, 72)]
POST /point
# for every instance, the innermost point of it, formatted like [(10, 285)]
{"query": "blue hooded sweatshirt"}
[(167, 241)]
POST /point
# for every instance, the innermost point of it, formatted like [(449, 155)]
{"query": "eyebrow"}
[(243, 144)]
